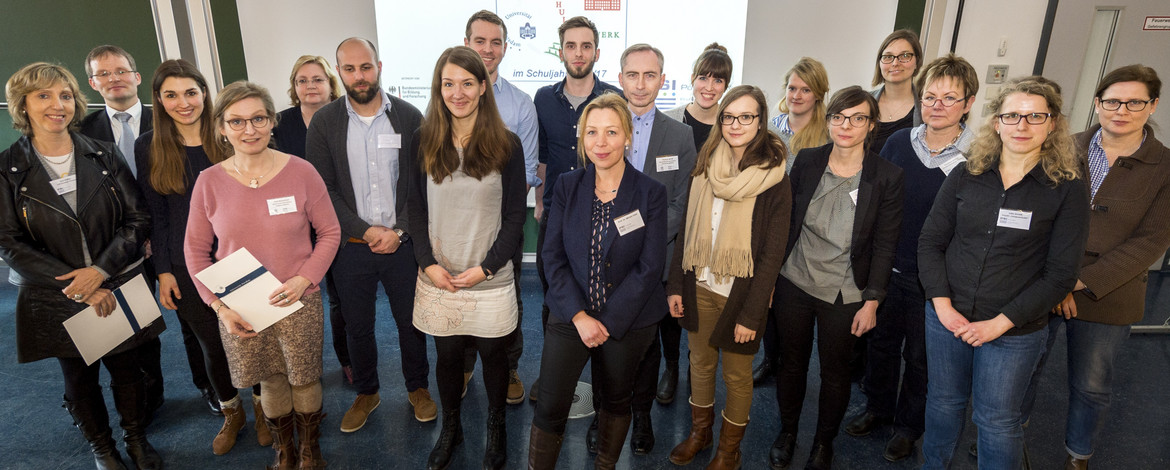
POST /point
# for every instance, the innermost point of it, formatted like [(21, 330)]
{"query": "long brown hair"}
[(765, 150), (1058, 155), (489, 147), (168, 158)]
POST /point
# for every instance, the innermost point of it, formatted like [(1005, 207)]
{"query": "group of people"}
[(960, 248)]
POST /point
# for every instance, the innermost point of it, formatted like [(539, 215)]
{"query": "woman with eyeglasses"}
[(1001, 246), (1129, 229), (846, 213), (801, 122), (897, 64), (312, 85), (722, 273), (268, 202), (926, 154)]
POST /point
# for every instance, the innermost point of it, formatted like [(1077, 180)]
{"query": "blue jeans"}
[(995, 376), (1091, 350)]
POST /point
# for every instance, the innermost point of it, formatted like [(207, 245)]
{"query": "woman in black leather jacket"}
[(72, 228)]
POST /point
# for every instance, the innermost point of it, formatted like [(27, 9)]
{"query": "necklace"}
[(255, 182), (940, 150)]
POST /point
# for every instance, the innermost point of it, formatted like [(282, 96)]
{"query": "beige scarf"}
[(731, 255)]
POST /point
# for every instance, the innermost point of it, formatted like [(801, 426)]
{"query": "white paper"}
[(951, 164), (282, 205), (666, 163), (1016, 219), (629, 222), (95, 336), (64, 184), (251, 299), (389, 141)]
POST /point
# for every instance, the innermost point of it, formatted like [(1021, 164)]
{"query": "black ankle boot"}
[(449, 438), (90, 416), (130, 400), (591, 436), (495, 457)]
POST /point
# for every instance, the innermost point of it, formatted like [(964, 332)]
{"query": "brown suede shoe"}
[(425, 409), (356, 417), (234, 420), (263, 436), (515, 388)]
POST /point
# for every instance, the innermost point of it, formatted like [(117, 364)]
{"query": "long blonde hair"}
[(816, 132), (1058, 154)]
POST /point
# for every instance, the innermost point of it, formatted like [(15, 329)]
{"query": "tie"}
[(126, 144)]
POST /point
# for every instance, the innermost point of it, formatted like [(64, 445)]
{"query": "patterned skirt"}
[(291, 346)]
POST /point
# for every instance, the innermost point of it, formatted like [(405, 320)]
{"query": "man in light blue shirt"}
[(487, 34)]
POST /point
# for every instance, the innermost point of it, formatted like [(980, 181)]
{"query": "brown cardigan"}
[(1129, 229), (748, 302)]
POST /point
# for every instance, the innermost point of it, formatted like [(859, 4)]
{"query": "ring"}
[(283, 295), (78, 296)]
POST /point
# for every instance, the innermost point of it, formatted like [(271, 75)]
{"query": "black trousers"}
[(81, 381), (204, 327), (336, 320), (449, 354), (900, 335), (800, 314), (614, 365)]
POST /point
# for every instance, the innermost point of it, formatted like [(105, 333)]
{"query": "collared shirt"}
[(372, 150), (519, 114), (640, 144), (135, 121), (1099, 163), (558, 130), (780, 123), (820, 263), (1014, 251), (705, 278), (950, 156)]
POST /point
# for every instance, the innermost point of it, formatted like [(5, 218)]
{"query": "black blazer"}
[(96, 125), (876, 224)]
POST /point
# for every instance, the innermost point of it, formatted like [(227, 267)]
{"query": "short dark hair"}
[(915, 45), (852, 96), (1132, 73), (105, 50), (484, 15), (713, 61), (578, 22)]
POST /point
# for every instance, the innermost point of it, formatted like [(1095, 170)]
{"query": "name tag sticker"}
[(666, 163), (282, 205), (853, 196), (389, 141), (629, 222), (1016, 219), (65, 184)]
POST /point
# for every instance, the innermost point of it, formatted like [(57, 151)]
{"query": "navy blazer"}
[(877, 222), (633, 262), (96, 125)]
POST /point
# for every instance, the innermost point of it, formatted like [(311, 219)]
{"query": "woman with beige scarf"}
[(721, 282)]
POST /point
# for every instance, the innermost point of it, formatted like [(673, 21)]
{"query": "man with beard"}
[(558, 108), (355, 144), (488, 36)]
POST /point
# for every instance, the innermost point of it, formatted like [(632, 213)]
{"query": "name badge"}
[(282, 205), (389, 141), (1016, 219), (951, 164), (666, 163), (853, 196), (64, 184), (629, 222)]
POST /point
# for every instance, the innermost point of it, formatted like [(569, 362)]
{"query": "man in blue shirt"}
[(487, 34)]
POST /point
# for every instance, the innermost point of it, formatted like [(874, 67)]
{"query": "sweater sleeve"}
[(200, 235), (936, 236)]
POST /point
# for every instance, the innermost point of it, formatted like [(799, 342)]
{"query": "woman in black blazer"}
[(847, 211), (603, 254)]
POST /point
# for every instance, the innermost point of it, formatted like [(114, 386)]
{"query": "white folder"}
[(95, 336), (240, 281)]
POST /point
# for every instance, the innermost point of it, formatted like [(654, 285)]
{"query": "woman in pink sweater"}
[(239, 203)]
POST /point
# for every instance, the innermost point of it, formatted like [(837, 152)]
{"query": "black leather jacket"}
[(41, 236)]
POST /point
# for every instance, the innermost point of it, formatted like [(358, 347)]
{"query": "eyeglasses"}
[(105, 74), (903, 57), (744, 119), (258, 122), (1132, 105), (305, 81), (1035, 119), (857, 120), (947, 101)]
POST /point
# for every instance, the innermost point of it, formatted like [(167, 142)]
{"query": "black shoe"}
[(212, 402), (780, 457), (821, 458), (591, 436), (449, 438), (130, 401), (642, 439), (495, 456), (898, 448), (865, 423), (764, 372), (90, 416), (668, 384)]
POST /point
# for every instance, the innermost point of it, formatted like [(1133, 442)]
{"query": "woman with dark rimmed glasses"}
[(898, 61)]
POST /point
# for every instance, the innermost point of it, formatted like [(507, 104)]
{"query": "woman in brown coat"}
[(1129, 228), (722, 275)]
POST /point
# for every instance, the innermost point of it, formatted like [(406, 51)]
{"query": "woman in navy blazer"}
[(603, 255)]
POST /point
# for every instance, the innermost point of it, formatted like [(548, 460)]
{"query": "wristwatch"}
[(488, 274), (403, 237)]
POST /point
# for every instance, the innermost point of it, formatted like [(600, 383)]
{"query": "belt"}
[(358, 240)]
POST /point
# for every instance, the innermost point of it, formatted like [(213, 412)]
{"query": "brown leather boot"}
[(234, 420), (263, 437), (727, 457), (702, 418), (543, 449), (282, 429), (611, 437), (308, 433)]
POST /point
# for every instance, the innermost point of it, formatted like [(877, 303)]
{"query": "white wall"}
[(843, 35), (276, 32)]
